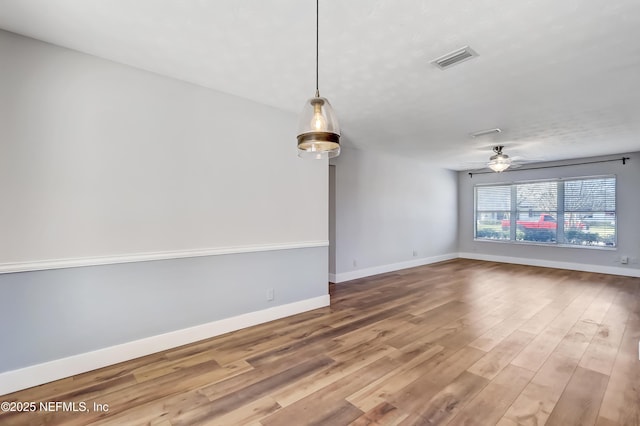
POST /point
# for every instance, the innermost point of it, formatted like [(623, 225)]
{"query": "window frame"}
[(560, 203), (475, 211)]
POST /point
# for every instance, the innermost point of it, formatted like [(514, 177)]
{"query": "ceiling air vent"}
[(455, 57), (485, 132)]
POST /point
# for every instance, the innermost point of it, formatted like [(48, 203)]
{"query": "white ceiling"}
[(561, 78)]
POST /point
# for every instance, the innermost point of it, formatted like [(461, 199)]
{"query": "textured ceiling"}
[(561, 78)]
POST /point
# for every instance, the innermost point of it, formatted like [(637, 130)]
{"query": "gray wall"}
[(628, 213), (48, 315), (387, 207), (101, 159), (98, 159)]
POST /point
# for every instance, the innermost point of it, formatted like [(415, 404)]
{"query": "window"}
[(590, 211), (493, 206), (537, 210), (574, 212)]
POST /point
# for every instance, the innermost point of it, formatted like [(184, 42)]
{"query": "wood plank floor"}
[(460, 342)]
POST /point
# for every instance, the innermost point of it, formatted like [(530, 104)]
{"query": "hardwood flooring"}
[(460, 342)]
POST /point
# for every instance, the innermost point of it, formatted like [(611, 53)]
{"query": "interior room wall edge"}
[(367, 272), (572, 266)]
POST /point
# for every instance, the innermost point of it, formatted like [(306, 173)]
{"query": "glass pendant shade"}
[(318, 131), (499, 162)]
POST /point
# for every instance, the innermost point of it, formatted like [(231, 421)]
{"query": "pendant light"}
[(318, 131), (499, 162)]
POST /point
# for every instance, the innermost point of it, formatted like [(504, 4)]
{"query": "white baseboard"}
[(12, 381), (367, 272), (613, 270)]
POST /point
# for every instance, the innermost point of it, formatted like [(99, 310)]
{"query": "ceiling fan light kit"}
[(499, 162), (318, 131)]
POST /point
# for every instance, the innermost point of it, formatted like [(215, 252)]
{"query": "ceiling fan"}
[(499, 161)]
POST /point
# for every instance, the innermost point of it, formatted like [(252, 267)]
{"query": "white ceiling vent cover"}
[(454, 58), (485, 132)]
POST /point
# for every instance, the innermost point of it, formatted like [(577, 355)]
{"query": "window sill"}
[(532, 243)]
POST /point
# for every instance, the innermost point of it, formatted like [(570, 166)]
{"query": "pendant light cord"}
[(317, 44)]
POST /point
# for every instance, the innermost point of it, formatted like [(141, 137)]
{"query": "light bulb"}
[(318, 122)]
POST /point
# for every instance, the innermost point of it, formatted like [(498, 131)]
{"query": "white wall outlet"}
[(624, 259), (270, 294)]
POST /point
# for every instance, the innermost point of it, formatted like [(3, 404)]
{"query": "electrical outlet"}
[(270, 294), (624, 260)]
